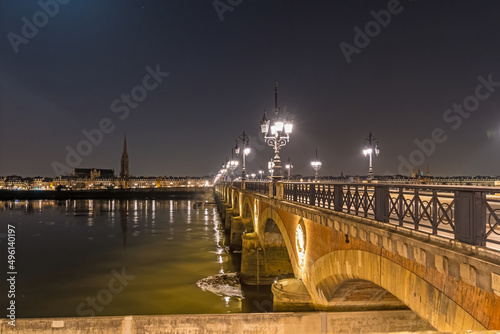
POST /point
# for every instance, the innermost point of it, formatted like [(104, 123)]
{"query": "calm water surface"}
[(67, 252)]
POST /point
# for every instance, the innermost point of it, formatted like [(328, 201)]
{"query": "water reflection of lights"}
[(153, 212), (111, 209), (171, 217), (227, 299), (206, 216), (217, 234), (91, 207), (220, 259)]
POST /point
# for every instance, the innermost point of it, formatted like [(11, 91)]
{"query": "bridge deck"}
[(428, 208)]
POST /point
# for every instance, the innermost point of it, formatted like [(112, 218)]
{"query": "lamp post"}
[(289, 167), (246, 150), (316, 165), (223, 171), (270, 166), (276, 134), (261, 173), (232, 164), (371, 146)]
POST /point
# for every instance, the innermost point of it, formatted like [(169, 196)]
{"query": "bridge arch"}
[(361, 295), (270, 223), (332, 270), (247, 211), (247, 214), (236, 203)]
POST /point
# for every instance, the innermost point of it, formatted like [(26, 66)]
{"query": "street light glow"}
[(279, 126), (316, 165), (369, 149)]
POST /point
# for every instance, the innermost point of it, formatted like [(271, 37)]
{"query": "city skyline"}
[(185, 79)]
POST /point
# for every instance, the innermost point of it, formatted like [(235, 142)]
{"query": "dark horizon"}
[(201, 76)]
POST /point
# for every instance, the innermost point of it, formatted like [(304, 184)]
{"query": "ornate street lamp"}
[(371, 146), (223, 170), (316, 165), (232, 164), (289, 167), (246, 150), (276, 133)]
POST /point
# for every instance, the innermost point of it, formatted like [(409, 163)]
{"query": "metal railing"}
[(468, 214), (261, 187)]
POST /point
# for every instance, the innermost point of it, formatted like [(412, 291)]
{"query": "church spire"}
[(125, 144), (124, 171)]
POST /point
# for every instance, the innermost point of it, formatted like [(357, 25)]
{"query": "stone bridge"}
[(328, 247)]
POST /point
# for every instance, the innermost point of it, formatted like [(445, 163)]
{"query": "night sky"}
[(73, 73)]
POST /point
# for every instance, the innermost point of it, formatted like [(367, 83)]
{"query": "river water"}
[(119, 257)]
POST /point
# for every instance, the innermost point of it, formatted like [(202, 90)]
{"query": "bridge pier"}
[(228, 215), (262, 265), (253, 266), (291, 295), (236, 231), (239, 226), (221, 207)]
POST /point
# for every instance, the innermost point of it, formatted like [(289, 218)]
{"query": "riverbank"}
[(313, 322), (153, 193)]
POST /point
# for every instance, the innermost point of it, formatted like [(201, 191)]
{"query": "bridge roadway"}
[(432, 249)]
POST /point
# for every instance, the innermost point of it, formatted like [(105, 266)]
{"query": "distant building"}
[(41, 183), (17, 182), (92, 173), (417, 174)]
